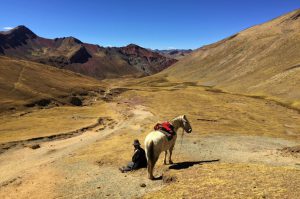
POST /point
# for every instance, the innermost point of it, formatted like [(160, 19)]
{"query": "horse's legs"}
[(165, 161), (170, 156), (150, 171), (150, 167)]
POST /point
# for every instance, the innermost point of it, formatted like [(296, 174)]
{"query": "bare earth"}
[(233, 151)]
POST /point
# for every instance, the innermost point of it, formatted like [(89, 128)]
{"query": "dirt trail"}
[(21, 163)]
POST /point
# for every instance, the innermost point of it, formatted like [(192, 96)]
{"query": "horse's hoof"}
[(151, 178), (171, 162), (165, 163)]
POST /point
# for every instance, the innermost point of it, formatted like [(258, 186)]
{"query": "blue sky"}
[(152, 24)]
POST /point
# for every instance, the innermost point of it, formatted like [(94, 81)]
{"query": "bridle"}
[(183, 130)]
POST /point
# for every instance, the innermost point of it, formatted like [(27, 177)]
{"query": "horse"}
[(156, 142)]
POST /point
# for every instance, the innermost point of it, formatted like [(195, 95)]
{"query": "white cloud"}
[(8, 28)]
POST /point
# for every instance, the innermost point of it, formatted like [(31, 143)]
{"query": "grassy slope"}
[(262, 60), (213, 112), (22, 82), (46, 122)]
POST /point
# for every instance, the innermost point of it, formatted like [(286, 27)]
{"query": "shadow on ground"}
[(185, 165)]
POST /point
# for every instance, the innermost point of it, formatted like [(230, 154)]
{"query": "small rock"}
[(76, 101), (98, 187), (35, 146), (143, 185)]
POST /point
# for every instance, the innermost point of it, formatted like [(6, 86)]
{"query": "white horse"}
[(156, 142)]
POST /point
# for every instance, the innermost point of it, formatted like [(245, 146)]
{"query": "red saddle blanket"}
[(166, 128)]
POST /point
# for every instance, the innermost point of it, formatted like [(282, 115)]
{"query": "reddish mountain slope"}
[(70, 53), (142, 58)]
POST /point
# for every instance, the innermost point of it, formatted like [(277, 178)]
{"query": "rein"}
[(181, 140)]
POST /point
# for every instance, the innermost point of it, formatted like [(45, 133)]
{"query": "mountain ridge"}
[(174, 53), (88, 59)]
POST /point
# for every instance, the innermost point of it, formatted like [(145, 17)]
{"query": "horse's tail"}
[(150, 159), (150, 153)]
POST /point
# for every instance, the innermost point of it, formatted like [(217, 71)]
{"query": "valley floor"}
[(234, 150)]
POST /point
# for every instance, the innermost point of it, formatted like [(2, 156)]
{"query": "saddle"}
[(166, 128)]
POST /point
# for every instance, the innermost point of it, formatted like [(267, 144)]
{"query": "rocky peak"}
[(20, 31), (16, 36)]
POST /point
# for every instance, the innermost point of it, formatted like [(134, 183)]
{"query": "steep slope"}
[(263, 60), (88, 59), (25, 83)]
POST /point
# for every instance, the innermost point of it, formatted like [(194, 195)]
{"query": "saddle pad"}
[(166, 128)]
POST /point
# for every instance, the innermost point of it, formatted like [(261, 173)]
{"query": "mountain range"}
[(174, 53), (88, 59)]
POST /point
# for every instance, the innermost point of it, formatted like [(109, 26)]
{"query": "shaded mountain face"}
[(263, 60), (15, 37), (174, 53), (141, 58), (88, 59)]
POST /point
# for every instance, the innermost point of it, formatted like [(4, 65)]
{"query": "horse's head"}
[(182, 122), (186, 124)]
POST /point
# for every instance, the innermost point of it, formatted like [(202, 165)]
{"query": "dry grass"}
[(213, 112), (45, 122), (210, 112), (225, 180)]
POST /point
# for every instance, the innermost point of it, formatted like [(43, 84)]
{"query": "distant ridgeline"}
[(88, 59)]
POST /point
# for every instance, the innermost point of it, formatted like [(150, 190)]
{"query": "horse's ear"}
[(184, 117)]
